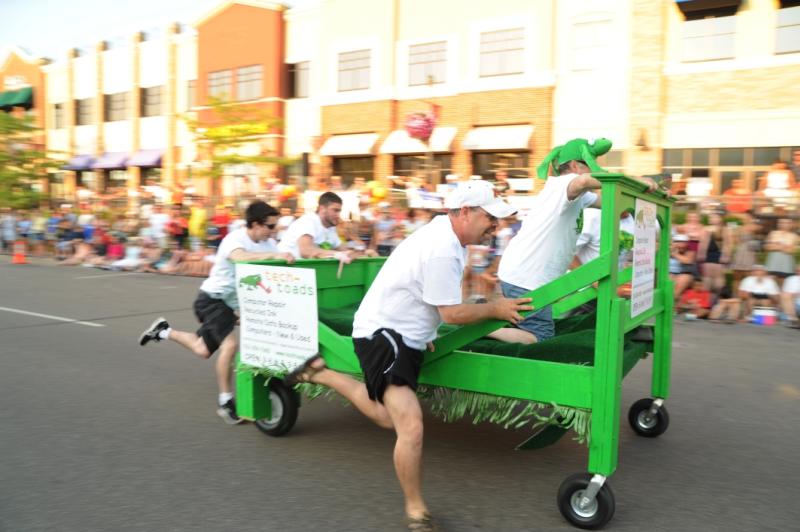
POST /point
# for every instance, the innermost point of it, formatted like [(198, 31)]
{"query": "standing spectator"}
[(8, 225), (790, 298), (24, 225), (178, 227), (714, 252), (51, 231), (38, 230), (159, 222), (383, 230), (221, 219), (198, 218), (744, 254), (694, 229), (782, 245), (738, 199), (758, 289)]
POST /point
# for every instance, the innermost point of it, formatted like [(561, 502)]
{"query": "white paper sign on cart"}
[(644, 257), (278, 315)]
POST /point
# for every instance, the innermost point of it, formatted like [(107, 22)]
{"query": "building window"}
[(349, 168), (83, 111), (191, 93), (787, 29), (152, 101), (486, 164), (58, 116), (219, 84), (354, 70), (298, 80), (248, 83), (420, 166), (427, 63), (502, 52), (116, 106), (709, 33)]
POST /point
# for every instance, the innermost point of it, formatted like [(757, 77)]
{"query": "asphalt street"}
[(99, 434)]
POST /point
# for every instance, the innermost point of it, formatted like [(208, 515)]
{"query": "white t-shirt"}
[(308, 224), (545, 244), (285, 222), (588, 245), (423, 272), (221, 282), (792, 286), (159, 221), (759, 285)]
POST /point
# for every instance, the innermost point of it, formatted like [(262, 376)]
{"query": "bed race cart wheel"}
[(645, 422), (591, 516), (284, 403)]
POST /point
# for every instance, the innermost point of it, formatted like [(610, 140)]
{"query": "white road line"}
[(50, 317), (101, 276)]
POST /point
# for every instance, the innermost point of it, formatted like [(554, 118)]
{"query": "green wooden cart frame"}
[(585, 499)]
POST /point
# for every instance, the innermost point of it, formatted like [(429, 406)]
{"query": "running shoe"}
[(228, 413), (151, 333)]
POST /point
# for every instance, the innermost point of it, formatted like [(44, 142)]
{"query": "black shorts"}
[(385, 359), (217, 319)]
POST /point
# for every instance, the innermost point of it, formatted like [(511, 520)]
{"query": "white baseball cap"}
[(478, 193)]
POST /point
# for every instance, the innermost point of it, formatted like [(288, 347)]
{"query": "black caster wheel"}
[(594, 515), (284, 405), (644, 424)]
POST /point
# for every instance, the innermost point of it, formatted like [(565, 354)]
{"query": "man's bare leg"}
[(190, 341), (355, 392), (406, 413), (513, 335), (227, 350)]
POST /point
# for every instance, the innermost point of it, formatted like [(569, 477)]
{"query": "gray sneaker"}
[(228, 413), (151, 333)]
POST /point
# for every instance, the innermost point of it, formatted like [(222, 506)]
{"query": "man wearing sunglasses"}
[(216, 305)]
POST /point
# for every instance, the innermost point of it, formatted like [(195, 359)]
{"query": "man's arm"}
[(584, 183), (501, 309), (309, 250), (240, 254)]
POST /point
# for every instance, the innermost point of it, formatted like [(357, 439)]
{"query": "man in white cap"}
[(418, 288)]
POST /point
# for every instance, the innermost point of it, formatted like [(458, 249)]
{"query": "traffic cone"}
[(19, 253)]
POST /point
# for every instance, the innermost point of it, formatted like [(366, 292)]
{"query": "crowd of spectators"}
[(736, 268), (724, 268)]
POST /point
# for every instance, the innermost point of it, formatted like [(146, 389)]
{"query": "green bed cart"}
[(577, 375)]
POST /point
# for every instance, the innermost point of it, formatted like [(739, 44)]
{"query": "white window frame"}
[(495, 37), (787, 27), (377, 91), (339, 70), (216, 81), (248, 86), (448, 88), (698, 37)]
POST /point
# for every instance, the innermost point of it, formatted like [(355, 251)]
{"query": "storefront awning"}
[(356, 144), (111, 161), (146, 158), (493, 138), (399, 142), (19, 98), (79, 163)]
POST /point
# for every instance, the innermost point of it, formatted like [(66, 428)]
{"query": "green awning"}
[(18, 98)]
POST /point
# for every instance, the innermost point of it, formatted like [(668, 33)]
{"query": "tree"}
[(23, 163), (233, 125)]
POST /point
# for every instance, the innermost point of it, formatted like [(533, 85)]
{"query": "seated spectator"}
[(81, 251), (727, 309), (683, 269), (695, 302), (132, 259), (758, 290), (150, 257), (790, 298)]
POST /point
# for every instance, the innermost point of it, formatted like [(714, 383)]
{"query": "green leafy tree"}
[(232, 126), (23, 163)]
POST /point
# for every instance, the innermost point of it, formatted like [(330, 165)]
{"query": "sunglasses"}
[(270, 226)]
